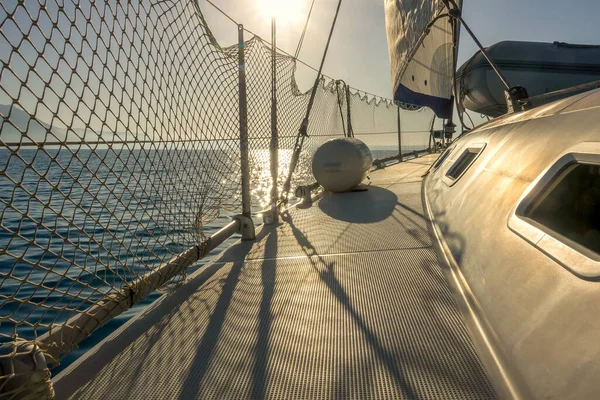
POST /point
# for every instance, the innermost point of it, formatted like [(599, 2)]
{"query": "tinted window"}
[(463, 162), (570, 206), (442, 158)]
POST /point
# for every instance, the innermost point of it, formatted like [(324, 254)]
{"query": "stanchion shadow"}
[(326, 270), (360, 207)]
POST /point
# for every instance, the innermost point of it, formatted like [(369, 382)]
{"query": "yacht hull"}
[(538, 311)]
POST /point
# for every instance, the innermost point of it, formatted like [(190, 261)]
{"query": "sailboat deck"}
[(345, 299)]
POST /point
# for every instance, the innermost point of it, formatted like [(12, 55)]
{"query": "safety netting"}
[(120, 149)]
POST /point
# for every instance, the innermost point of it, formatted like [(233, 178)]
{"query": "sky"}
[(358, 52)]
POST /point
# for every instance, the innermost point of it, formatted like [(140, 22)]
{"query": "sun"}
[(286, 11)]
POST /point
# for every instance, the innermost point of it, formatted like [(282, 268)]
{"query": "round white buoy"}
[(341, 164)]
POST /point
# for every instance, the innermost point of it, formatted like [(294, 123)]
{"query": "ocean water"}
[(95, 222)]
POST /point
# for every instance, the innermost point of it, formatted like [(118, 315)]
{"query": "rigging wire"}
[(456, 13), (339, 101), (303, 131), (225, 14), (458, 108), (470, 119), (282, 51), (304, 31), (311, 101)]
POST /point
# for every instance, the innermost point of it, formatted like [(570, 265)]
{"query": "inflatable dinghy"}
[(539, 67)]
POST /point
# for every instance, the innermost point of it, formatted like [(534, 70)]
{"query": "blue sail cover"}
[(422, 59)]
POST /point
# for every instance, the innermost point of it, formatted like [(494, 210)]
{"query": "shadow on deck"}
[(345, 299)]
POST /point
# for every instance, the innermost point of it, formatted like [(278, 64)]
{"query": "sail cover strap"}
[(420, 40)]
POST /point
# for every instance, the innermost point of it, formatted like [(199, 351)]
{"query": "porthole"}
[(560, 212)]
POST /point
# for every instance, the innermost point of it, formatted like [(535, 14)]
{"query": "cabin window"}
[(560, 211), (442, 158), (569, 206), (466, 159)]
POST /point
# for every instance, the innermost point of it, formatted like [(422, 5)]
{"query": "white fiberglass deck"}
[(345, 299)]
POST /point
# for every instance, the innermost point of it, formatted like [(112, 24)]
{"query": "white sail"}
[(422, 55)]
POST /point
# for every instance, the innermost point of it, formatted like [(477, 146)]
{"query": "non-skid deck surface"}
[(345, 299)]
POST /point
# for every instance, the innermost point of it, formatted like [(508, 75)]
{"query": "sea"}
[(35, 278)]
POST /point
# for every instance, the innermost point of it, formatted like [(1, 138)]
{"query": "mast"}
[(450, 126)]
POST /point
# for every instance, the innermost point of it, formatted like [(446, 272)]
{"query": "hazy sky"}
[(358, 52)]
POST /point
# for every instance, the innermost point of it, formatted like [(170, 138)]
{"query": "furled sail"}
[(420, 39)]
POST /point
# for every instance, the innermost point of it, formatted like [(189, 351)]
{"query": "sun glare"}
[(286, 11)]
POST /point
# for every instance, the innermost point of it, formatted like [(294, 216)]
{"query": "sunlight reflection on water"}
[(158, 226)]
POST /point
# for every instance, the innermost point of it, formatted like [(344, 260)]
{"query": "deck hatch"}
[(462, 163), (560, 212)]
